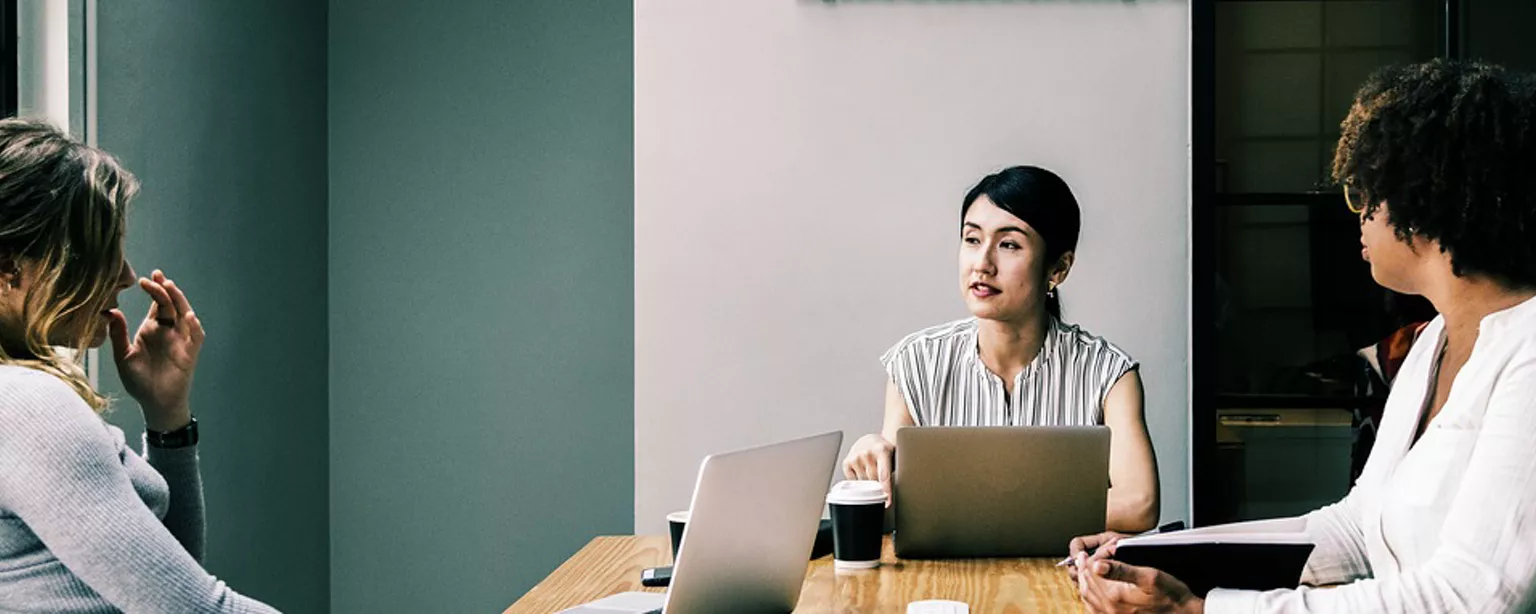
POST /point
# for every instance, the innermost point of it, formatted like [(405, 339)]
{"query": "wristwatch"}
[(179, 438)]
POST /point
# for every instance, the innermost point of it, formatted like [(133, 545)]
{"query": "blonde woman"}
[(86, 523)]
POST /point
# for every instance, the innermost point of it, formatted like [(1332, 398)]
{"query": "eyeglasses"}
[(1354, 199)]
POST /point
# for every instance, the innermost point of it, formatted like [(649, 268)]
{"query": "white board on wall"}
[(798, 174)]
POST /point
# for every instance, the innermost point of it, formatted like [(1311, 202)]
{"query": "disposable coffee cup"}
[(858, 517), (677, 521)]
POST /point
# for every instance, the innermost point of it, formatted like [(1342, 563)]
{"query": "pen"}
[(1176, 525)]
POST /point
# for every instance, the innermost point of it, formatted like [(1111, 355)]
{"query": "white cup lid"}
[(681, 516), (856, 492)]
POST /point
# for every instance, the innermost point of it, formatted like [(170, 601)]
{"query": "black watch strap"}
[(179, 438)]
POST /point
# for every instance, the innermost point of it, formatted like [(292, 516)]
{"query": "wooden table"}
[(611, 565)]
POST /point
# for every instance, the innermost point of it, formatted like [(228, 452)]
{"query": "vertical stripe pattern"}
[(940, 374)]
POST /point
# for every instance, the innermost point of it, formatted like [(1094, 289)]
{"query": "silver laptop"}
[(998, 491), (749, 535)]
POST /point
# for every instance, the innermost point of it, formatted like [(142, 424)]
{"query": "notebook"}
[(1259, 555)]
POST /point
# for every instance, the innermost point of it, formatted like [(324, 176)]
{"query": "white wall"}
[(43, 60), (798, 174)]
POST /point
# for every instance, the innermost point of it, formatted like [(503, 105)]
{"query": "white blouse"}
[(1448, 524)]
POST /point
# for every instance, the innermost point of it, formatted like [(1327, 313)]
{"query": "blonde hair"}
[(62, 206)]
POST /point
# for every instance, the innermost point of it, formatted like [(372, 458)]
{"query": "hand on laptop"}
[(1094, 547), (871, 459)]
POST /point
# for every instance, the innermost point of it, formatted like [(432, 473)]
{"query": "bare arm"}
[(1133, 494), (897, 414), (873, 454)]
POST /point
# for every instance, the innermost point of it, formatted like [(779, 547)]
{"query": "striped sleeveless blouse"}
[(940, 374)]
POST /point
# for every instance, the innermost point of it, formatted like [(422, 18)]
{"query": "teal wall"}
[(481, 295), (219, 107)]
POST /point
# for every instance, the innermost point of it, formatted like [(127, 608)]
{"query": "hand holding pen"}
[(1102, 546)]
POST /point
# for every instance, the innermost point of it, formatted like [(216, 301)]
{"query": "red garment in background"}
[(1390, 354)]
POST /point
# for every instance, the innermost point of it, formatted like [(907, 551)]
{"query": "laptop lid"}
[(751, 527), (998, 491)]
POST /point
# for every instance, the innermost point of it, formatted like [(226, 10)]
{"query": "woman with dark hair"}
[(1437, 159), (1016, 363), (86, 523)]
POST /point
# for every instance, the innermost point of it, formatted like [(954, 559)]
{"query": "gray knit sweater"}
[(87, 525)]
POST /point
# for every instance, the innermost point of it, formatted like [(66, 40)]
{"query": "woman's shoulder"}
[(934, 336), (1514, 330), (18, 379), (1075, 339), (29, 396)]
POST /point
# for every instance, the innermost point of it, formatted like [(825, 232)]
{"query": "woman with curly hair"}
[(1439, 161)]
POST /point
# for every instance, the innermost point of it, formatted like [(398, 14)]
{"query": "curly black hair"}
[(1449, 147)]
